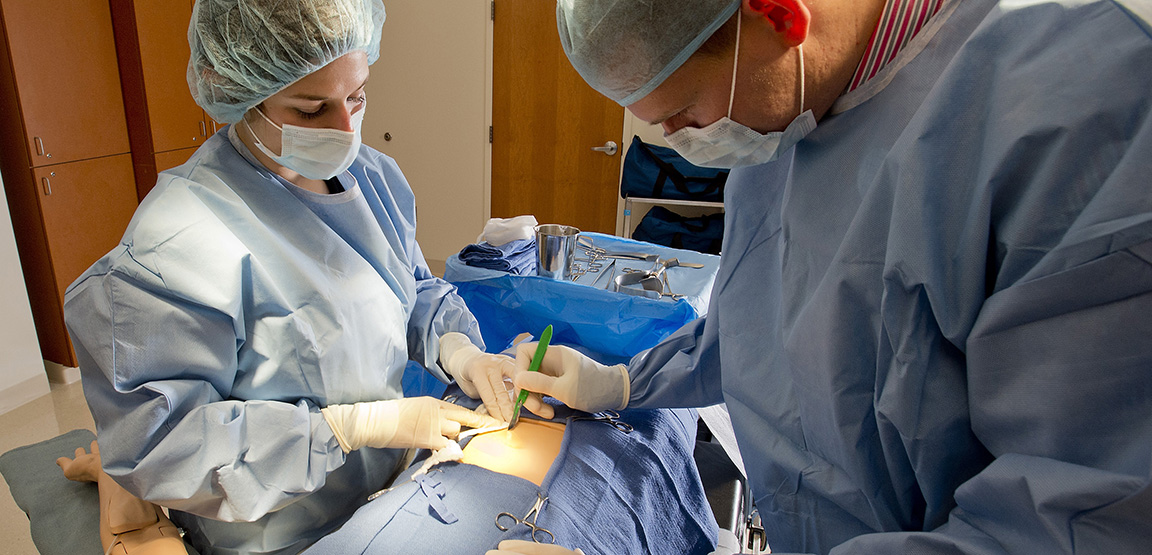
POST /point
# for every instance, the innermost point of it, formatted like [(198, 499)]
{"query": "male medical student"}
[(932, 323)]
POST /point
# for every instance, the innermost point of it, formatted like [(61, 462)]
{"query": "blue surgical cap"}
[(626, 48), (244, 51)]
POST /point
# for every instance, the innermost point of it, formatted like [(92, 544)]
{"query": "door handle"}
[(40, 148), (47, 184), (610, 148)]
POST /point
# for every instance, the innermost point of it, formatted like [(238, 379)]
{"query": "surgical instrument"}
[(675, 262), (610, 417), (477, 431), (537, 358), (650, 284), (533, 513)]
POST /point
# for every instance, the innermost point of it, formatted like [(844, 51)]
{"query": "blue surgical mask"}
[(315, 153), (728, 144)]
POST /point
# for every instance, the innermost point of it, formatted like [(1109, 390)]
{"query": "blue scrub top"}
[(235, 307), (932, 319)]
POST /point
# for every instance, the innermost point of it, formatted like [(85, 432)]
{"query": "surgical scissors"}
[(611, 417), (533, 513)]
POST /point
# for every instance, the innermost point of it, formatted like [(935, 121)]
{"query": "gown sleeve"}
[(157, 370), (438, 310), (681, 371)]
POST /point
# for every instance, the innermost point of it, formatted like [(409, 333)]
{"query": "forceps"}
[(611, 417), (533, 513)]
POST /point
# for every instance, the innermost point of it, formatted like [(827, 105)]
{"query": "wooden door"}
[(162, 30), (546, 120), (64, 61), (427, 108)]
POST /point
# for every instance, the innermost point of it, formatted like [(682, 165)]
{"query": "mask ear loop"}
[(253, 131), (735, 62), (736, 65), (800, 49)]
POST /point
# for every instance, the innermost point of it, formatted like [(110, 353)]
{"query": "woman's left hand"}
[(480, 375)]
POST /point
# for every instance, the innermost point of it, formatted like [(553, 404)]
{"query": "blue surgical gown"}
[(236, 306), (932, 323)]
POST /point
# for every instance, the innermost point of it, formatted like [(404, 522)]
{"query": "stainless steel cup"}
[(555, 249)]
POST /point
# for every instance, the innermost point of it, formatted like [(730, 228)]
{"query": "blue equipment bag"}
[(664, 227), (652, 171)]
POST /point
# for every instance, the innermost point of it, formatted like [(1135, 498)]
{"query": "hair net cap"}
[(626, 48), (244, 51)]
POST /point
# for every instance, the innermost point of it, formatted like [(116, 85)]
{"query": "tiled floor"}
[(61, 410)]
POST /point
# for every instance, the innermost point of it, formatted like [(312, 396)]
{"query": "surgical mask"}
[(728, 144), (315, 153)]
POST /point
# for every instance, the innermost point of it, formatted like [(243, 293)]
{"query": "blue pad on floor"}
[(64, 515)]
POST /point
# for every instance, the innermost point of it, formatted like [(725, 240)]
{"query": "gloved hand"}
[(480, 375), (423, 422), (573, 379), (522, 547)]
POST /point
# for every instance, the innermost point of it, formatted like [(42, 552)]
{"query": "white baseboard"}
[(60, 374)]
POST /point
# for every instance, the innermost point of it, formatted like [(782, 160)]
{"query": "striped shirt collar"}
[(901, 20)]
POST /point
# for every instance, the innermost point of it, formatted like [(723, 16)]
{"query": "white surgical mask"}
[(315, 153), (728, 144)]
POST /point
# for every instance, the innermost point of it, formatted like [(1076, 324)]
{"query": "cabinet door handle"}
[(39, 147), (47, 186), (203, 129)]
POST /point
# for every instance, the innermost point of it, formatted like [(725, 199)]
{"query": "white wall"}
[(653, 134), (430, 91), (22, 376)]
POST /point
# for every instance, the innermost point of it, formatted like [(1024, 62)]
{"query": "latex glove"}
[(522, 547), (480, 375), (573, 379), (423, 422)]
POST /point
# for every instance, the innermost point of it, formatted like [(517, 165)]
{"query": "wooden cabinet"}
[(64, 150), (64, 67), (165, 124), (173, 158)]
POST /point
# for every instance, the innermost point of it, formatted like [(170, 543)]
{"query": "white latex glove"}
[(522, 547), (480, 375), (423, 422), (573, 379)]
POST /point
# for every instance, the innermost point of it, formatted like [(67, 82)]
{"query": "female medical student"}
[(242, 348)]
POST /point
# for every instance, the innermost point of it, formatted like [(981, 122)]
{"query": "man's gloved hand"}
[(573, 379), (522, 547), (480, 375), (423, 422)]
